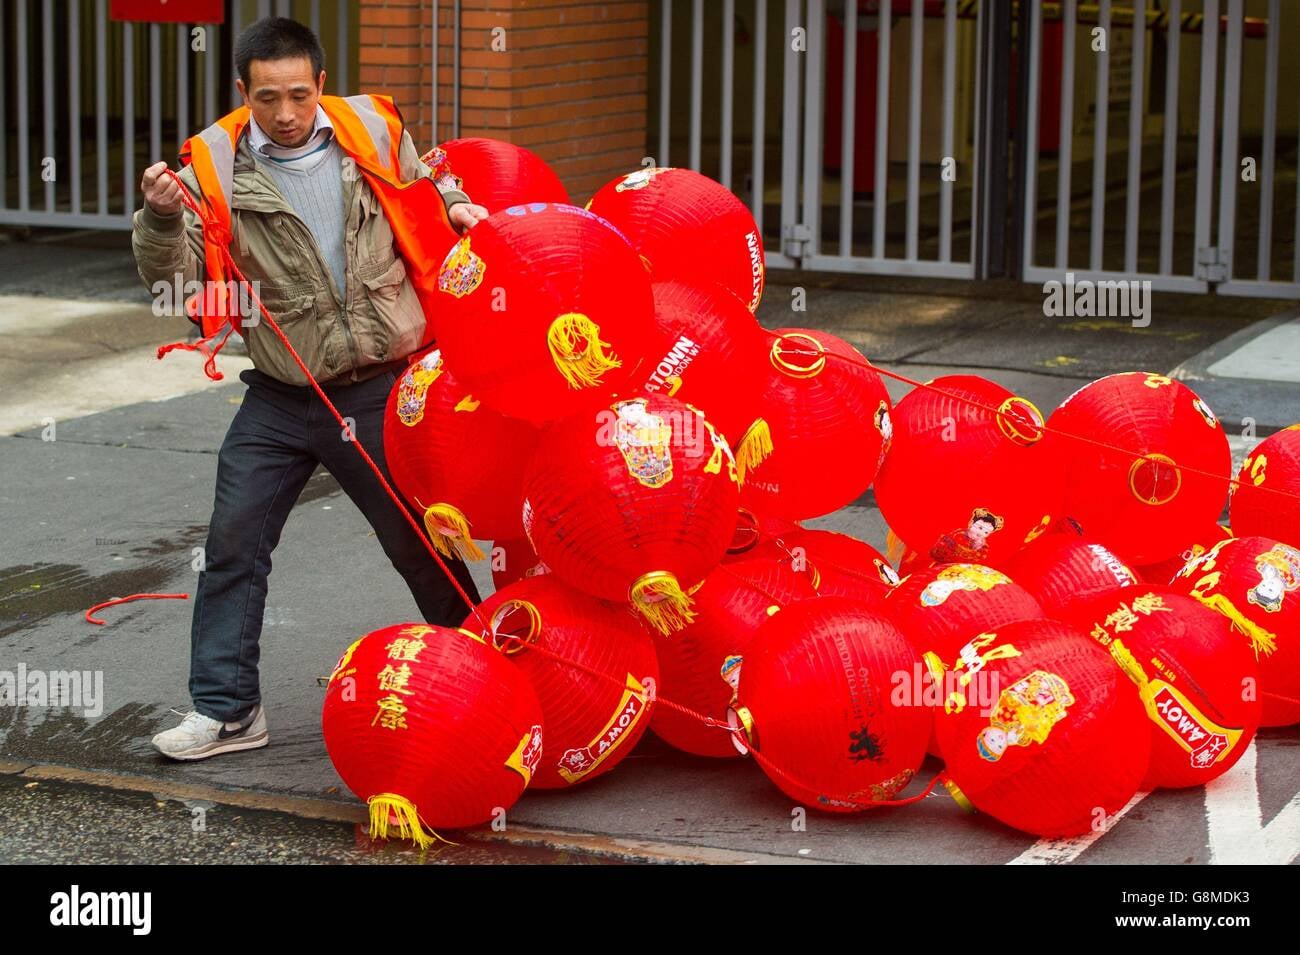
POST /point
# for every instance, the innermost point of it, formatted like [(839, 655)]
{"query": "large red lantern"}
[(822, 431), (1266, 497), (1168, 474), (968, 478), (1165, 570), (431, 727), (1195, 678), (495, 174), (715, 345), (545, 308), (1255, 583), (816, 700), (1061, 569), (635, 501), (458, 462), (558, 637), (735, 599), (1044, 733), (688, 227)]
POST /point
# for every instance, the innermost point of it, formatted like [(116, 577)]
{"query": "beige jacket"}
[(345, 334)]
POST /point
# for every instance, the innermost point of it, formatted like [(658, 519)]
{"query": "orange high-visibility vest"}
[(368, 128)]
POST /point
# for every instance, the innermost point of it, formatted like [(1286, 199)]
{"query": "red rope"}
[(121, 600)]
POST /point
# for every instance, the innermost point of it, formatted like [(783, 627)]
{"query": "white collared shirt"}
[(321, 130)]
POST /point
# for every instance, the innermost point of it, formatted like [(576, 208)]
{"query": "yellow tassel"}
[(1260, 638), (578, 352), (895, 549), (441, 518), (754, 448), (408, 826), (659, 598)]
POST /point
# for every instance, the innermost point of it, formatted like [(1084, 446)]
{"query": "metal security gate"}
[(884, 196), (95, 101), (1238, 251)]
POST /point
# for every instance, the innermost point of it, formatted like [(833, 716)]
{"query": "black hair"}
[(990, 521), (277, 38)]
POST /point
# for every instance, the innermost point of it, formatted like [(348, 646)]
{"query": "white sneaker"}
[(199, 736)]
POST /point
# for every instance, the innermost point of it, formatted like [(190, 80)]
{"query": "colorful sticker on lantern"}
[(876, 792), (1205, 741), (884, 424), (414, 386), (1025, 713), (672, 366), (578, 762), (527, 755), (461, 271), (886, 573), (1279, 574), (971, 544), (960, 577), (639, 179), (1205, 412), (644, 440), (731, 671)]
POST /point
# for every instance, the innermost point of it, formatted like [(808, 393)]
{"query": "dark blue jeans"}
[(278, 436)]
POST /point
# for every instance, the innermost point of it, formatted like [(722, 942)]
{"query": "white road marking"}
[(1273, 356), (1237, 832), (1059, 851)]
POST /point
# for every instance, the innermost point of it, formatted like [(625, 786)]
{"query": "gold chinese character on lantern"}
[(1148, 604), (396, 680), (406, 649), (1122, 620), (392, 713)]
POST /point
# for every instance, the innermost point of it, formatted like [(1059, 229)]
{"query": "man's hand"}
[(463, 215), (162, 192)]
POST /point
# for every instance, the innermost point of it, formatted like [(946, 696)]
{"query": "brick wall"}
[(570, 83)]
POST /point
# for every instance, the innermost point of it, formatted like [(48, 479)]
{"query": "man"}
[(311, 232)]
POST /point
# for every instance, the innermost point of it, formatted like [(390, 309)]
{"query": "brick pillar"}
[(570, 83)]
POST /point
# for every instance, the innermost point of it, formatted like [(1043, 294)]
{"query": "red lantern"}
[(636, 502), (1255, 583), (823, 429), (735, 599), (495, 174), (1165, 571), (941, 608), (591, 722), (455, 460), (545, 308), (1061, 569), (1142, 501), (968, 478), (686, 226), (1256, 506), (716, 344), (816, 699), (431, 727), (1044, 730), (1194, 676), (514, 560)]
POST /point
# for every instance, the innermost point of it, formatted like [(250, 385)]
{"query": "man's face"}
[(282, 95)]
